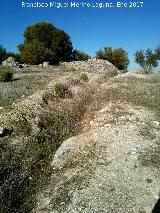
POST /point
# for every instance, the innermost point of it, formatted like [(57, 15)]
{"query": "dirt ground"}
[(111, 164)]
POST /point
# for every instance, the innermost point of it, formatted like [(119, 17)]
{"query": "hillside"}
[(93, 148)]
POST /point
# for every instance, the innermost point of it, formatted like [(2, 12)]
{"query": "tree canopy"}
[(82, 56), (118, 57), (2, 54), (44, 42), (148, 59)]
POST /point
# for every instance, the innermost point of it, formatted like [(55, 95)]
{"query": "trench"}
[(27, 170)]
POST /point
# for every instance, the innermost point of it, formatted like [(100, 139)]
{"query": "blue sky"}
[(89, 28)]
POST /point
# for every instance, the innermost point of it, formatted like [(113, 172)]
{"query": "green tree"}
[(151, 59), (2, 54), (118, 57), (82, 56), (157, 51), (148, 59), (44, 42), (140, 58)]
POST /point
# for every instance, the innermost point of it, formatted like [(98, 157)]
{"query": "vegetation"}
[(2, 54), (157, 51), (5, 75), (118, 57), (62, 91), (82, 56), (44, 42), (111, 73), (84, 77), (107, 75), (148, 59), (25, 169)]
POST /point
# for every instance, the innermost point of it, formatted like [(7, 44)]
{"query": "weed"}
[(110, 73), (62, 91), (5, 76), (84, 77), (150, 158)]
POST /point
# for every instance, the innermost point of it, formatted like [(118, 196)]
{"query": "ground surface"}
[(111, 164)]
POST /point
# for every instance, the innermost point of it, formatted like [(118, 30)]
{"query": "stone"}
[(45, 64), (156, 123), (9, 62), (2, 130), (93, 64)]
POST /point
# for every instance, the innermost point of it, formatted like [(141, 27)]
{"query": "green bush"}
[(62, 91), (84, 77), (5, 76)]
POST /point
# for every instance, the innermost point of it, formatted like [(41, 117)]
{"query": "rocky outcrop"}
[(93, 64)]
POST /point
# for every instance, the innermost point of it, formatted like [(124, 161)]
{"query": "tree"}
[(157, 51), (118, 57), (140, 58), (82, 56), (148, 59), (151, 59), (44, 42), (2, 54)]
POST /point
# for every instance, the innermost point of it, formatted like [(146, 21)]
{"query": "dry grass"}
[(25, 170)]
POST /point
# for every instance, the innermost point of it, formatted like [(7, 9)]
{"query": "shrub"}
[(110, 73), (62, 91), (5, 76), (84, 77)]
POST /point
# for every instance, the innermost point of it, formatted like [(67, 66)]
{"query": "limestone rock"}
[(9, 62), (45, 64), (93, 64)]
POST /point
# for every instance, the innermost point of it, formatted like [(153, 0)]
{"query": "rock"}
[(99, 65), (1, 131), (4, 131), (156, 124), (45, 64), (25, 65), (9, 62)]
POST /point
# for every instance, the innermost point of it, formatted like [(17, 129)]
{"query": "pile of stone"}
[(10, 62), (93, 64)]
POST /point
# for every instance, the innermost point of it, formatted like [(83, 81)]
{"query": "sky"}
[(90, 28)]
